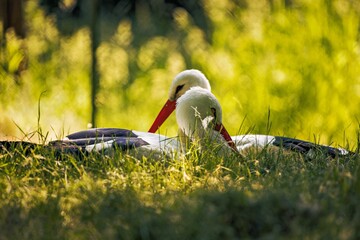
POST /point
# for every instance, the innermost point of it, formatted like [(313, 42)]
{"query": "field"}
[(289, 68), (267, 194)]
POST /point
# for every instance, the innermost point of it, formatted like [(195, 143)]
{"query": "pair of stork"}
[(199, 118)]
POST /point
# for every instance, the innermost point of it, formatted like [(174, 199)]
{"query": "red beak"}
[(221, 129), (165, 112)]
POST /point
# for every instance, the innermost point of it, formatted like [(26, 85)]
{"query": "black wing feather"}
[(305, 147)]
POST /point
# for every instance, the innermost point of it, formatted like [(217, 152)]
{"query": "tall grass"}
[(266, 194)]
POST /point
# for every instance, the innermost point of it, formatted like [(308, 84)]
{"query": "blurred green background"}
[(287, 68)]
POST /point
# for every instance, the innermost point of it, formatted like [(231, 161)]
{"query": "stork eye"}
[(178, 88), (213, 110)]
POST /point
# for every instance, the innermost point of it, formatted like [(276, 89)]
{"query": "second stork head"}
[(181, 83), (199, 117)]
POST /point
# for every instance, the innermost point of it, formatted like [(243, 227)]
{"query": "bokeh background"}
[(287, 68)]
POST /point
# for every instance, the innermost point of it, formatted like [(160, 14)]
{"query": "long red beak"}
[(164, 113), (221, 129)]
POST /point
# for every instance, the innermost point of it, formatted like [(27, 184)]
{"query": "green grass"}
[(266, 194)]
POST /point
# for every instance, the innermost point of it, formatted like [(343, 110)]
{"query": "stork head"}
[(199, 116), (197, 111), (181, 83), (186, 80)]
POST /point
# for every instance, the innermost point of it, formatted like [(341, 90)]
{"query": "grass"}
[(266, 194)]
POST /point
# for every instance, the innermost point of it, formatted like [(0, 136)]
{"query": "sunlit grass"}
[(265, 193)]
